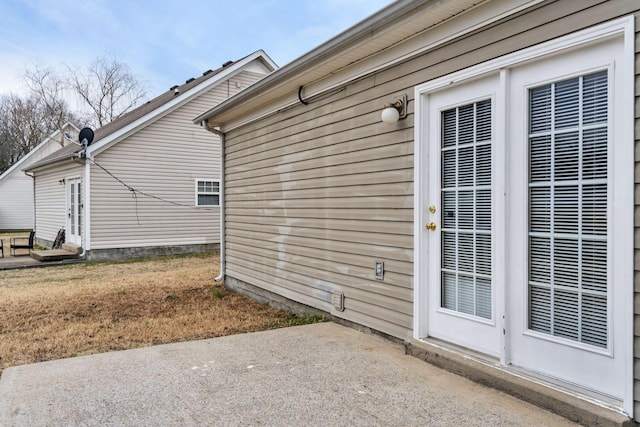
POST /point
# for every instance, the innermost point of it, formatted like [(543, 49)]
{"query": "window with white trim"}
[(207, 192), (568, 133)]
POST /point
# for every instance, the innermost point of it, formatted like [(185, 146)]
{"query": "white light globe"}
[(390, 115)]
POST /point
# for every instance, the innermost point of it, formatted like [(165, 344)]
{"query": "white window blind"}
[(568, 209), (466, 209)]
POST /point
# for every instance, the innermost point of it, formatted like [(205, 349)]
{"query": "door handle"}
[(431, 226)]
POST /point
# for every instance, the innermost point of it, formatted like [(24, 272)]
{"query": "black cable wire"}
[(300, 96), (135, 192)]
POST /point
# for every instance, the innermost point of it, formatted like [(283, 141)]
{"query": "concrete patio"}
[(10, 262), (315, 375)]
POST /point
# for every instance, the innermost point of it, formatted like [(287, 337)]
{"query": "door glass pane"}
[(79, 204), (466, 209), (568, 209), (72, 207)]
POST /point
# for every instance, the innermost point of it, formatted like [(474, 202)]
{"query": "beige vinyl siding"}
[(316, 194), (164, 159), (636, 346), (314, 197), (51, 200)]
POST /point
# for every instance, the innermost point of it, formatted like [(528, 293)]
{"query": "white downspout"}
[(222, 184), (33, 180)]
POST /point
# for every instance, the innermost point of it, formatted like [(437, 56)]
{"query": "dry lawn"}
[(57, 312)]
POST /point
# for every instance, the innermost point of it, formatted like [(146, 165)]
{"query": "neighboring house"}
[(148, 183), (496, 218), (16, 188)]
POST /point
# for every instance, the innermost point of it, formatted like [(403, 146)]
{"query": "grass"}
[(57, 312)]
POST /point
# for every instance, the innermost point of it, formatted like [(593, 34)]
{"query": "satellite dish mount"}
[(86, 137)]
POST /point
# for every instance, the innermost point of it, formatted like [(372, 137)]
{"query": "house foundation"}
[(148, 251)]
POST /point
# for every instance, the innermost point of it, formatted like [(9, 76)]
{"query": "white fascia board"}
[(18, 164), (180, 100), (470, 20), (266, 58), (327, 49)]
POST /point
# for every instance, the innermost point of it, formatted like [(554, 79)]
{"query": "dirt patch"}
[(60, 312)]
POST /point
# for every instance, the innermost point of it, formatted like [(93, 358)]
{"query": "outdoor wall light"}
[(395, 111)]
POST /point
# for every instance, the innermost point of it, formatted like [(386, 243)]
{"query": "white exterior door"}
[(462, 291), (524, 214), (74, 211), (568, 302)]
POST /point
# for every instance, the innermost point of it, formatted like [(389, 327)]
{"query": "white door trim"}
[(623, 197)]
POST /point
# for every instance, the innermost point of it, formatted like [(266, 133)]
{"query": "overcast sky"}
[(165, 42)]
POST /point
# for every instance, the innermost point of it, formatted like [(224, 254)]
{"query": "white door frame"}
[(78, 213), (623, 28)]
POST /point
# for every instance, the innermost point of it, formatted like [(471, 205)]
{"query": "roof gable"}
[(148, 113), (20, 164)]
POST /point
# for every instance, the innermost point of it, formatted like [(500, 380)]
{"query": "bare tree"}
[(48, 89), (25, 122), (107, 88)]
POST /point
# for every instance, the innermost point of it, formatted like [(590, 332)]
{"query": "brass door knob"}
[(431, 226)]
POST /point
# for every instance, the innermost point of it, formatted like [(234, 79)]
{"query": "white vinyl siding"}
[(568, 209), (162, 160), (16, 202), (16, 188), (51, 200), (466, 209)]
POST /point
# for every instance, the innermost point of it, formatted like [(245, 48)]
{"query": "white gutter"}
[(364, 28), (222, 184)]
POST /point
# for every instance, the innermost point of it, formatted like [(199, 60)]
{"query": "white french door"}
[(74, 211), (568, 320), (524, 215), (462, 291)]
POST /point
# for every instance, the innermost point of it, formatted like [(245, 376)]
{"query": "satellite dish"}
[(86, 134)]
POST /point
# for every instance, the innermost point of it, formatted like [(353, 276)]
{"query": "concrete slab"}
[(51, 255), (13, 262), (322, 374), (18, 262)]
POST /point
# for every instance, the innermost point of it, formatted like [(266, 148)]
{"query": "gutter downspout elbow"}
[(221, 134)]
